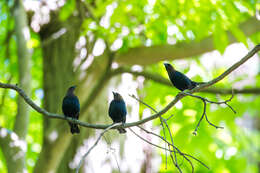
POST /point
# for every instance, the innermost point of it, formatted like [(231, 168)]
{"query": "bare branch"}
[(164, 81), (164, 121), (127, 125), (205, 101), (179, 152), (225, 91)]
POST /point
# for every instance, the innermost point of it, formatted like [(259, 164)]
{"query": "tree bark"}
[(14, 150), (15, 155), (24, 64), (58, 76)]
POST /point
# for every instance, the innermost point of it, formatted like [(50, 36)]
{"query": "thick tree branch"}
[(162, 80), (153, 54), (170, 105), (225, 91)]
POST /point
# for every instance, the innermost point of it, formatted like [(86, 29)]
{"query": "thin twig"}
[(181, 153), (158, 146), (133, 96), (163, 121), (174, 148), (112, 149), (95, 144), (205, 101)]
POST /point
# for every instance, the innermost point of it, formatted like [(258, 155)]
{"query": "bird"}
[(180, 80), (71, 108), (117, 110)]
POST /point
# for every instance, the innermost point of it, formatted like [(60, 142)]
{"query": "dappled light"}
[(140, 86)]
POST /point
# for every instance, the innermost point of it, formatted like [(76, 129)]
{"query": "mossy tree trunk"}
[(15, 156), (58, 75)]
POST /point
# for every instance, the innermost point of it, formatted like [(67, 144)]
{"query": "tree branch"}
[(162, 80), (178, 97), (163, 121), (150, 55)]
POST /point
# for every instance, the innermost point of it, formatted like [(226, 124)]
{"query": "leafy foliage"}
[(146, 23)]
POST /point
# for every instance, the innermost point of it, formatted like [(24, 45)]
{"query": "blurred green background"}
[(118, 45)]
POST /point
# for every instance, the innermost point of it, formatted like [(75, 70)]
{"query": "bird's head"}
[(71, 89), (117, 96), (168, 67)]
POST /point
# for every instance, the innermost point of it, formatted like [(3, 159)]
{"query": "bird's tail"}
[(74, 128), (121, 130)]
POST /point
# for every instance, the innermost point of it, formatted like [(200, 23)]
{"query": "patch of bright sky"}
[(173, 30), (148, 42), (138, 29), (99, 47), (257, 15), (125, 31), (117, 44), (30, 162), (179, 105), (39, 96), (81, 42), (87, 63), (3, 16), (12, 93), (137, 68), (232, 54), (105, 20), (53, 136), (97, 155), (41, 11), (246, 121), (80, 46), (241, 8), (135, 156), (219, 153), (171, 40), (231, 151)]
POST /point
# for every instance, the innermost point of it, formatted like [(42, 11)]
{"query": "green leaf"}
[(240, 36), (67, 10), (220, 39)]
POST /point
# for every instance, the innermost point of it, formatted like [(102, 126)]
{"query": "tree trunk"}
[(58, 74), (15, 156)]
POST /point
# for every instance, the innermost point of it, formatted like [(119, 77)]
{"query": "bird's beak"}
[(165, 64), (113, 93)]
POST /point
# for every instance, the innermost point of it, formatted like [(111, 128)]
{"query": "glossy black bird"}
[(180, 80), (117, 110), (71, 107)]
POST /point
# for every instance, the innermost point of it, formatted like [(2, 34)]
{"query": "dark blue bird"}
[(117, 110), (71, 107), (180, 80)]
